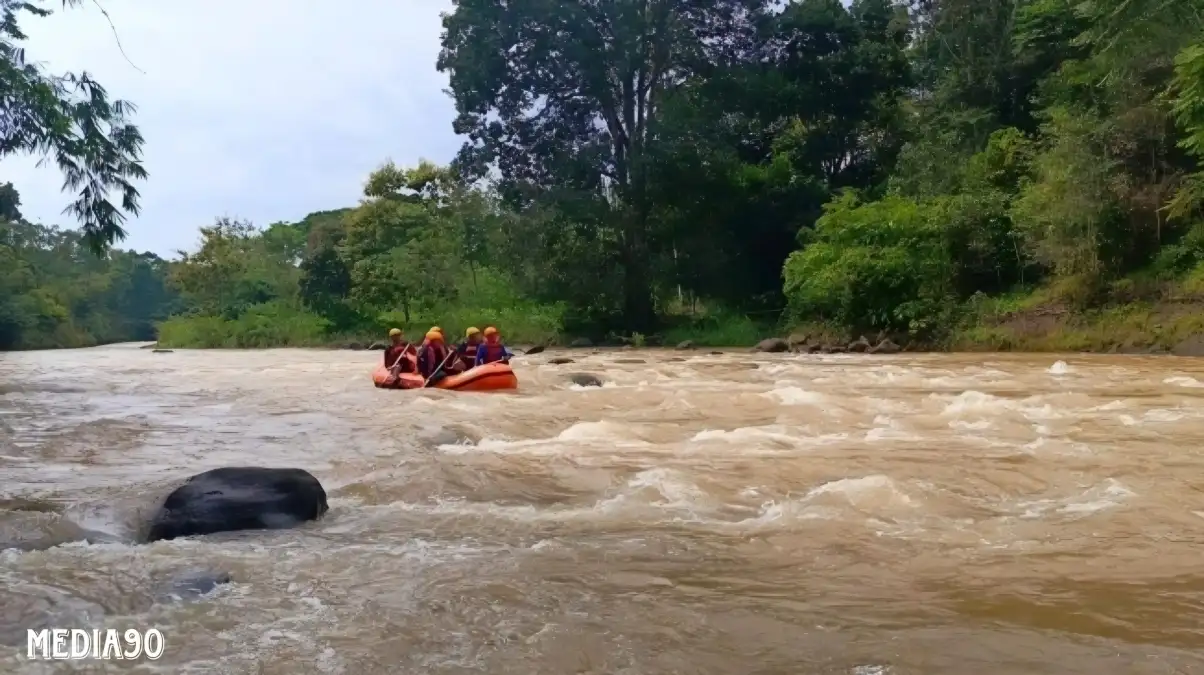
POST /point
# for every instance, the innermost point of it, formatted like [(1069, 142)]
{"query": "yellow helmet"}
[(394, 331), (490, 331), (434, 336), (436, 329), (471, 332)]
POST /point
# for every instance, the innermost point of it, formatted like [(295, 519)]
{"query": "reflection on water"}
[(708, 514)]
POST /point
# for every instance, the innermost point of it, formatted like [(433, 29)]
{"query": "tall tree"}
[(70, 120), (566, 95)]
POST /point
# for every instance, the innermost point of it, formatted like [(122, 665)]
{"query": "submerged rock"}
[(537, 349), (560, 361), (193, 584), (161, 351), (29, 530), (772, 345), (585, 380), (1192, 346), (886, 347), (580, 343), (239, 498), (859, 346), (688, 344)]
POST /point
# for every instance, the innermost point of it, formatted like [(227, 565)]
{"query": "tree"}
[(566, 95), (70, 119)]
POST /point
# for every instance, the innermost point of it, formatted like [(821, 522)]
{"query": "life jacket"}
[(468, 353), (394, 356), (493, 352), (433, 356)]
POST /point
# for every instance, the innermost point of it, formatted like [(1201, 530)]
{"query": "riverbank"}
[(1127, 317)]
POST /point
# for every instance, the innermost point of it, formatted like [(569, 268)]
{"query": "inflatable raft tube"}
[(489, 377)]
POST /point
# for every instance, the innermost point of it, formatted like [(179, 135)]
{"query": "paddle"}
[(450, 354), (393, 368)]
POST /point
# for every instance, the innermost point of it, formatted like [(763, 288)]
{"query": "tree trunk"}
[(638, 311)]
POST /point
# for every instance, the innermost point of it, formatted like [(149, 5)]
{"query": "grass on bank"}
[(1142, 312)]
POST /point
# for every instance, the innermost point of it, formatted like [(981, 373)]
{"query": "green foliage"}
[(717, 329), (70, 119), (876, 265), (269, 324), (55, 292), (967, 172), (1053, 146)]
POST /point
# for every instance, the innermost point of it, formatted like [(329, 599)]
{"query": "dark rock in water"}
[(859, 346), (150, 346), (377, 346), (537, 349), (239, 498), (688, 344), (585, 380), (355, 345), (675, 359), (835, 349), (1192, 346), (161, 351), (580, 343), (560, 361), (773, 345), (815, 348), (887, 346), (194, 584), (716, 353), (630, 361)]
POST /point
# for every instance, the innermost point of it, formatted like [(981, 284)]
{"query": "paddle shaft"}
[(402, 356), (450, 354)]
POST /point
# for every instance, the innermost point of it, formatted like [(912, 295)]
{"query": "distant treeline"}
[(922, 169)]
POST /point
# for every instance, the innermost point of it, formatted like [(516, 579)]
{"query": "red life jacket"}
[(468, 354), (493, 352), (393, 355), (433, 356)]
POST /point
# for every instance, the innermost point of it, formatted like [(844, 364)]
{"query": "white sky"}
[(258, 109)]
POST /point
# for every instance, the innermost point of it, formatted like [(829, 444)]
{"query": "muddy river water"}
[(698, 513)]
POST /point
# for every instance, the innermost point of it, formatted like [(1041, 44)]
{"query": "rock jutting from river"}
[(239, 498)]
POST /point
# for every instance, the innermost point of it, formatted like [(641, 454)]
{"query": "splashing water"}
[(712, 514)]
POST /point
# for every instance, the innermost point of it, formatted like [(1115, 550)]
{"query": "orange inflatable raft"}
[(489, 377)]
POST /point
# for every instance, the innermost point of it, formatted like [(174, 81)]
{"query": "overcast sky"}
[(258, 109)]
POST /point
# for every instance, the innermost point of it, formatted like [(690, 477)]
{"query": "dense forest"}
[(957, 173)]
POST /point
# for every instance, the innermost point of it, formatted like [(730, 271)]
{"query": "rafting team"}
[(433, 360)]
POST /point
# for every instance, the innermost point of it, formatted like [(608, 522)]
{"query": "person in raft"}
[(433, 357), (426, 340), (493, 350), (467, 350), (398, 346)]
